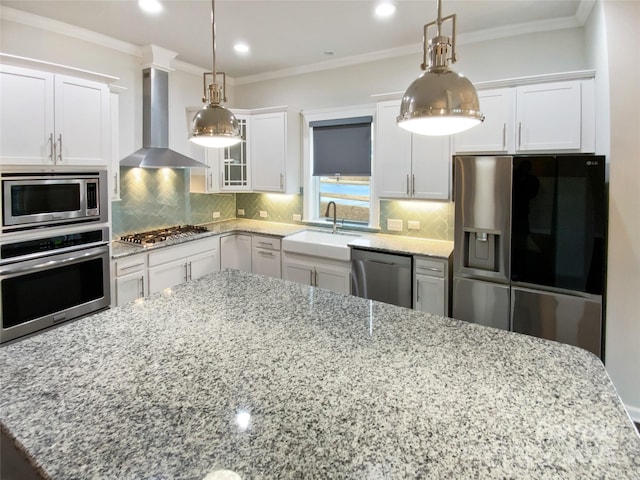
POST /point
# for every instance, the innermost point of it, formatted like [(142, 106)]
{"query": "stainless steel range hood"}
[(155, 152)]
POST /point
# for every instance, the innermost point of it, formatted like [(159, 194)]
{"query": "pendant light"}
[(440, 101), (215, 126)]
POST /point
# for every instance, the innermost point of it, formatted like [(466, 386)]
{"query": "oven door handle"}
[(54, 261)]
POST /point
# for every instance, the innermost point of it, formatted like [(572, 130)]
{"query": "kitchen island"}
[(273, 379)]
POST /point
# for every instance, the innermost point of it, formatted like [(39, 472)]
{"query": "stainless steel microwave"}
[(53, 199)]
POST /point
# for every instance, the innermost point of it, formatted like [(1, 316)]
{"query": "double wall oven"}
[(54, 249)]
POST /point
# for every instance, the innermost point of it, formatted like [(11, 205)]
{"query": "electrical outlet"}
[(297, 217), (241, 211), (394, 225), (413, 225), (263, 214), (216, 214)]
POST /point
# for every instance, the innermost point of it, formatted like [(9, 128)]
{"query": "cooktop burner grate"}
[(152, 237)]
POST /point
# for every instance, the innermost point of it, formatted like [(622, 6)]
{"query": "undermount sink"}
[(320, 244)]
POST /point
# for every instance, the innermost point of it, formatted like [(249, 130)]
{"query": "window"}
[(340, 168)]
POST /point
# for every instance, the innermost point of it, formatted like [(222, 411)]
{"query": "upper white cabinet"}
[(409, 165), (235, 161), (496, 133), (544, 117), (555, 116), (275, 152), (51, 119)]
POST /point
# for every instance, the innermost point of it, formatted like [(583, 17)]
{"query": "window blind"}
[(342, 147)]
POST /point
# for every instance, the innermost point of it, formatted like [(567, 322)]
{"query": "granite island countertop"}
[(365, 240), (274, 379)]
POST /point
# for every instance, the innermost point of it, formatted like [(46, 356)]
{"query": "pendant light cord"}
[(213, 36)]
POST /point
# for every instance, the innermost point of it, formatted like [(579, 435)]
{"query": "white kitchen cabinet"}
[(130, 278), (318, 272), (497, 133), (51, 119), (409, 165), (173, 265), (265, 256), (549, 116), (235, 252), (235, 161), (431, 285), (275, 152)]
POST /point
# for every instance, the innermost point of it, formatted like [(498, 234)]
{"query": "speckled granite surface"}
[(370, 241), (274, 379)]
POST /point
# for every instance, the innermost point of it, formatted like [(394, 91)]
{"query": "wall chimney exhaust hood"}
[(155, 127)]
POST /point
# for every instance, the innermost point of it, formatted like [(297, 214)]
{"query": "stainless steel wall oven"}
[(51, 279)]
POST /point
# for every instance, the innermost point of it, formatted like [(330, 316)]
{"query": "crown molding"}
[(55, 26), (577, 20)]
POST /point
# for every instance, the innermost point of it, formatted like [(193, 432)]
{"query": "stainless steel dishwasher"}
[(381, 276)]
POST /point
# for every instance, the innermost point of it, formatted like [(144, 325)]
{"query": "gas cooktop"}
[(152, 237)]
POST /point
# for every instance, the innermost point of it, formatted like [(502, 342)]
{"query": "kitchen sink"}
[(320, 244)]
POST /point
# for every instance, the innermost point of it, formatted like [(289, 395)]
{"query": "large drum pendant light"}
[(215, 126), (440, 101)]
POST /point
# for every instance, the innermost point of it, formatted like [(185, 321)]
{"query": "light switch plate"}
[(241, 211), (263, 214), (216, 214), (413, 225), (394, 225), (297, 217)]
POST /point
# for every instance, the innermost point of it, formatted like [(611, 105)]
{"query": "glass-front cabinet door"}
[(235, 160)]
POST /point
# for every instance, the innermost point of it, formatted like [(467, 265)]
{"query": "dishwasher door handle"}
[(391, 264)]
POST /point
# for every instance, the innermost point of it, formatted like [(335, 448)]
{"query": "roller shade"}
[(342, 147)]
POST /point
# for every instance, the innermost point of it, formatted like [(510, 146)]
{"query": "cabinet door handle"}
[(186, 272), (115, 183), (316, 279), (52, 149), (265, 254), (311, 277), (519, 135), (268, 244), (408, 185), (433, 269), (281, 181), (211, 180), (413, 185), (417, 291), (60, 151), (142, 286), (504, 136)]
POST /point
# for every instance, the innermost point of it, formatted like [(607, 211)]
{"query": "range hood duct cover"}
[(155, 127)]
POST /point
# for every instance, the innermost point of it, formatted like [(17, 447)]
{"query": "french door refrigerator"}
[(530, 240)]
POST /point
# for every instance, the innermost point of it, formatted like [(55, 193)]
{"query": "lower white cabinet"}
[(130, 279), (431, 285), (319, 272), (235, 252), (266, 258), (171, 266)]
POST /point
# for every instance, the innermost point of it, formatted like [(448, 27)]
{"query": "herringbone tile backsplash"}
[(160, 198)]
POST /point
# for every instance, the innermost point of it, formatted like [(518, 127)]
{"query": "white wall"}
[(551, 52), (621, 19)]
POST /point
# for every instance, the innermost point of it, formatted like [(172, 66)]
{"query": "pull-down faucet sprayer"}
[(334, 213)]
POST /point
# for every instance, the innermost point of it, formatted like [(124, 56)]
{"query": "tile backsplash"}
[(156, 198)]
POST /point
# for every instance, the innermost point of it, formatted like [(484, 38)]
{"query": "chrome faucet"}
[(326, 214)]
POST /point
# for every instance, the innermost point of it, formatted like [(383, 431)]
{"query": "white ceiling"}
[(289, 34)]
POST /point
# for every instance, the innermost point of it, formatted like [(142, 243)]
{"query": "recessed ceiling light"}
[(150, 6), (385, 9), (329, 53), (241, 47)]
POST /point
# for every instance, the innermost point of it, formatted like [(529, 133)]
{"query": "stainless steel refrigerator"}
[(530, 240)]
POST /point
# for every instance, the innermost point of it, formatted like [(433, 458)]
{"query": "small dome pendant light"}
[(214, 126), (440, 101)]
